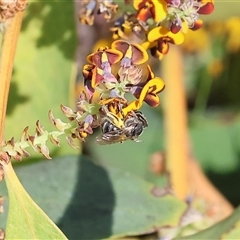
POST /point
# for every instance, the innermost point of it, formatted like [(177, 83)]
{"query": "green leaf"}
[(43, 68), (25, 219), (226, 229), (90, 201), (138, 211), (213, 144)]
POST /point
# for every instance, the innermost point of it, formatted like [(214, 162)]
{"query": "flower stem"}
[(186, 174), (175, 118), (6, 65)]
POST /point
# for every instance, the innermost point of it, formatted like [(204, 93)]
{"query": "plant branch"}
[(186, 174), (6, 64), (175, 118)]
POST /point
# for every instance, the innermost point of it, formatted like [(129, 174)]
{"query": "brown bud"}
[(17, 156), (39, 128), (44, 150), (51, 117), (31, 139), (4, 157), (31, 142), (21, 5), (68, 112), (24, 136), (71, 142), (25, 153), (11, 142), (8, 9), (58, 123), (55, 140)]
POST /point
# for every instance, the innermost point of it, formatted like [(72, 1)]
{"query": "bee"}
[(132, 127)]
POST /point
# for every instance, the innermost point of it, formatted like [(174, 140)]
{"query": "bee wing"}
[(110, 138), (102, 140)]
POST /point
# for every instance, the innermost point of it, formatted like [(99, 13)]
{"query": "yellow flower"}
[(155, 9), (134, 54), (159, 39)]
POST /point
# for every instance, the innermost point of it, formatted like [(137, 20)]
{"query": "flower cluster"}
[(111, 75), (172, 19), (156, 23)]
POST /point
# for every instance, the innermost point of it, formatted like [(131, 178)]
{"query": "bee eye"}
[(137, 131), (106, 127), (142, 119)]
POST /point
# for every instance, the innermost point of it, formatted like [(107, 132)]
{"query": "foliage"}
[(110, 193), (78, 196)]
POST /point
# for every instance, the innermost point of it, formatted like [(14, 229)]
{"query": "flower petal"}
[(150, 73), (148, 45), (176, 25), (207, 8), (87, 71), (89, 89), (157, 9), (88, 75), (140, 55), (163, 36), (160, 32), (97, 77), (144, 14), (107, 55), (132, 106), (160, 9), (198, 24), (133, 53), (113, 56), (152, 46), (155, 53), (154, 86), (163, 45), (148, 94), (152, 100)]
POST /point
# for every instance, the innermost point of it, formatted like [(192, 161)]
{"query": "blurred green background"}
[(51, 50)]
